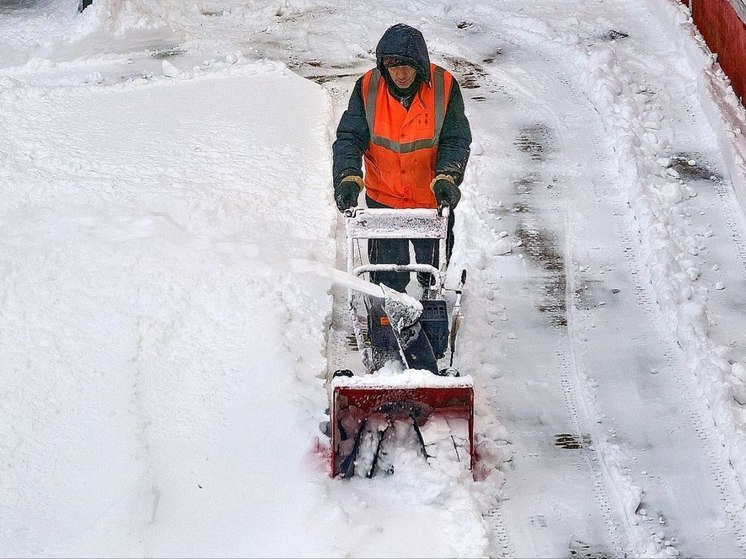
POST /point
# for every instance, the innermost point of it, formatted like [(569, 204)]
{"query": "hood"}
[(407, 43)]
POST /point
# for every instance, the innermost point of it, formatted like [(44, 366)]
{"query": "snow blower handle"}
[(456, 314)]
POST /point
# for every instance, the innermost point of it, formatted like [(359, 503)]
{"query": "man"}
[(406, 120)]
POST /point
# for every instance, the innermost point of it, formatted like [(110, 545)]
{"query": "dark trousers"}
[(396, 251)]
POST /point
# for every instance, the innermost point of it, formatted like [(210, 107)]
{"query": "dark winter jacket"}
[(353, 135)]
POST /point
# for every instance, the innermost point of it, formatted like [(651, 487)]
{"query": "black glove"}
[(345, 195), (446, 193)]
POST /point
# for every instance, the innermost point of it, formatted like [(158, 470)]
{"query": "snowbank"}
[(160, 363)]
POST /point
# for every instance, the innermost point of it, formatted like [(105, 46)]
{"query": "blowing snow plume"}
[(402, 309)]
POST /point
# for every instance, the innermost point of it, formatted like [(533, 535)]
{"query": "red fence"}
[(724, 31)]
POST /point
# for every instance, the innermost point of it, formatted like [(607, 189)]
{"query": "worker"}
[(405, 120)]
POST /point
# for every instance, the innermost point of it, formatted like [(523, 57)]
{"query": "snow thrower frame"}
[(362, 224), (365, 406)]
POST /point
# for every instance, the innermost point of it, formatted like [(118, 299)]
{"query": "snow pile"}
[(152, 333), (723, 107), (123, 16)]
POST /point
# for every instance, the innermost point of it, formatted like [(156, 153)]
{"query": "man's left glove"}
[(346, 192), (446, 192)]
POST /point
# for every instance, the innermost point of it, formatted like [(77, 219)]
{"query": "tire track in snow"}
[(580, 418), (550, 289), (500, 545), (572, 392), (575, 394), (608, 464), (697, 411), (733, 218)]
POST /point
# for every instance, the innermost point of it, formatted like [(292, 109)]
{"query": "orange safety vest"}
[(400, 159)]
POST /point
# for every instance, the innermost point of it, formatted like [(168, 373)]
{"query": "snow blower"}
[(408, 389)]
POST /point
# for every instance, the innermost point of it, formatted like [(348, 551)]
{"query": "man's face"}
[(403, 76)]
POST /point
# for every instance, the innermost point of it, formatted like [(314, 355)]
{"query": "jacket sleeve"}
[(353, 137), (455, 138)]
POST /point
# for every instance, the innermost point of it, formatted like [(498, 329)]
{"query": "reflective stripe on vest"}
[(438, 82)]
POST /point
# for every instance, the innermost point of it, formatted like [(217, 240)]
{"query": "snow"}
[(170, 255), (391, 376), (157, 310)]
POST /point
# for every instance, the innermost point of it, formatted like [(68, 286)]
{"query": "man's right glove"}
[(446, 192), (346, 192)]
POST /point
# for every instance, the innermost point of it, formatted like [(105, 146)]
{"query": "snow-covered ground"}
[(165, 165)]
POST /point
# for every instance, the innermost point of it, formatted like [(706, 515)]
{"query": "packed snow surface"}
[(165, 189)]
